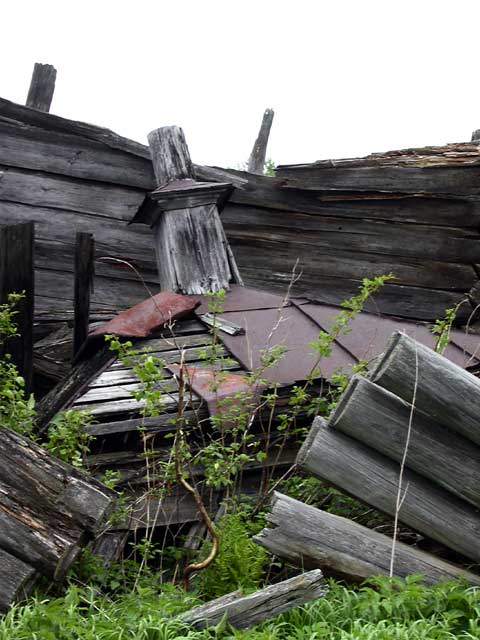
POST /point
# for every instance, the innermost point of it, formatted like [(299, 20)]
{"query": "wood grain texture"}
[(17, 276), (243, 612), (370, 414), (373, 478), (309, 537), (83, 284), (47, 508), (170, 155), (444, 391), (16, 580), (257, 157), (42, 87)]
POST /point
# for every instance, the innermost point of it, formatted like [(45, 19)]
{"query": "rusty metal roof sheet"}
[(142, 319), (216, 387), (267, 323)]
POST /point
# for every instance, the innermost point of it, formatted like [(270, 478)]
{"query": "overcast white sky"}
[(345, 77)]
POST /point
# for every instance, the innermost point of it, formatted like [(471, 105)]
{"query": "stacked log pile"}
[(48, 512), (405, 441)]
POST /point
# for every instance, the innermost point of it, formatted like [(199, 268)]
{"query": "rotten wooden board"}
[(243, 612), (309, 537)]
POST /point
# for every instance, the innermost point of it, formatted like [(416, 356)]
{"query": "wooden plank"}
[(17, 276), (269, 193), (462, 180), (381, 420), (66, 392), (29, 147), (16, 580), (83, 284), (309, 537), (359, 236), (373, 478), (243, 612), (42, 87), (444, 391), (69, 194), (264, 254), (256, 161), (13, 111)]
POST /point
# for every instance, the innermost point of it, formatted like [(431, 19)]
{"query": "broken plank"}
[(243, 612), (442, 390), (373, 479), (309, 537), (83, 285)]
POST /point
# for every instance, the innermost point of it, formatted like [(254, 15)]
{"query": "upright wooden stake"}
[(17, 275), (84, 272), (192, 249), (256, 161), (42, 87)]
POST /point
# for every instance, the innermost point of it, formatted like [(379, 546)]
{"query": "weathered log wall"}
[(415, 214)]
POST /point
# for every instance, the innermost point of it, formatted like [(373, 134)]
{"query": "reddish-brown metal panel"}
[(216, 386), (266, 328), (142, 319), (242, 299), (369, 333)]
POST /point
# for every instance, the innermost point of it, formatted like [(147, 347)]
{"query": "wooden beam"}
[(242, 612), (378, 418), (16, 276), (373, 479), (444, 391), (309, 537), (84, 273), (191, 245), (42, 87), (256, 161), (16, 580)]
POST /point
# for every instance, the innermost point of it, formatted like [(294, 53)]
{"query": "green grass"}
[(379, 611)]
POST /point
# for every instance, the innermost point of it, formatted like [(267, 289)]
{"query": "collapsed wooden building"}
[(108, 223)]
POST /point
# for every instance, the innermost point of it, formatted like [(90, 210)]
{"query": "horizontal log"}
[(68, 194), (243, 612), (461, 180), (30, 147), (264, 254), (440, 244), (13, 111), (16, 580), (309, 537), (382, 421), (373, 479), (269, 193), (446, 392)]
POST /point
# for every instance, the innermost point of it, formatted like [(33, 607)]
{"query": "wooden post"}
[(84, 272), (256, 161), (17, 275), (191, 246), (309, 537), (42, 87)]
